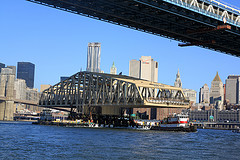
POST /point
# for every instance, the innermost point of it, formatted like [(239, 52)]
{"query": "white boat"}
[(177, 122)]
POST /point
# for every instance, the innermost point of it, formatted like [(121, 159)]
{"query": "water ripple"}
[(21, 140)]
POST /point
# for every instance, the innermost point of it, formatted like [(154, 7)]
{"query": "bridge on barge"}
[(86, 92)]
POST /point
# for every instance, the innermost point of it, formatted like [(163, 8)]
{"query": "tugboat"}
[(177, 122)]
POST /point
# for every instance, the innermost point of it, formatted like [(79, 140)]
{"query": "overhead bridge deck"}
[(84, 90), (204, 23)]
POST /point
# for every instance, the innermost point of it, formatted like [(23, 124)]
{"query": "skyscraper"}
[(20, 89), (93, 57), (13, 70), (146, 68), (25, 70), (134, 68), (233, 89), (2, 66), (204, 94), (190, 95), (216, 92), (149, 69), (113, 69)]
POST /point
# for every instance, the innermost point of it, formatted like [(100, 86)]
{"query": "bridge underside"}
[(88, 90), (160, 17)]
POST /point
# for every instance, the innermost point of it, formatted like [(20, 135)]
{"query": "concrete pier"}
[(221, 126)]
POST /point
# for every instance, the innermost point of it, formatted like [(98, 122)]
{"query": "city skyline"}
[(110, 76), (32, 34)]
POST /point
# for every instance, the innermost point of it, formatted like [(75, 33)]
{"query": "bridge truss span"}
[(90, 89)]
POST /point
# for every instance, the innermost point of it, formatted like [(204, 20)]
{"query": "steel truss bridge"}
[(85, 90), (205, 23)]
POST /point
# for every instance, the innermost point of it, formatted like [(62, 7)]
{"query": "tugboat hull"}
[(175, 129)]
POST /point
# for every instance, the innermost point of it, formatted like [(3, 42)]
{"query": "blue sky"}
[(56, 42)]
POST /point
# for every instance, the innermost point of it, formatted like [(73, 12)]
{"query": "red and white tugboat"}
[(177, 122)]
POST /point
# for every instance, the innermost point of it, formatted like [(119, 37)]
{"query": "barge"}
[(177, 122)]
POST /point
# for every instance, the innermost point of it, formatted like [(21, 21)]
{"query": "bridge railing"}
[(212, 9), (225, 5), (168, 101)]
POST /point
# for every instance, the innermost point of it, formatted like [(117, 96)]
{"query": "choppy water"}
[(22, 140)]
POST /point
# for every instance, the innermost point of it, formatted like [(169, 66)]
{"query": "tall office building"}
[(216, 92), (190, 95), (2, 66), (20, 89), (233, 89), (204, 94), (13, 70), (25, 70), (93, 57), (113, 69), (146, 68), (149, 69), (134, 68)]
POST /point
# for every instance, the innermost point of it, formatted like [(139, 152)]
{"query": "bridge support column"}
[(6, 110), (7, 78)]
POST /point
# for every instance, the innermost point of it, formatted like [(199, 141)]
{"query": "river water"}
[(22, 140)]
